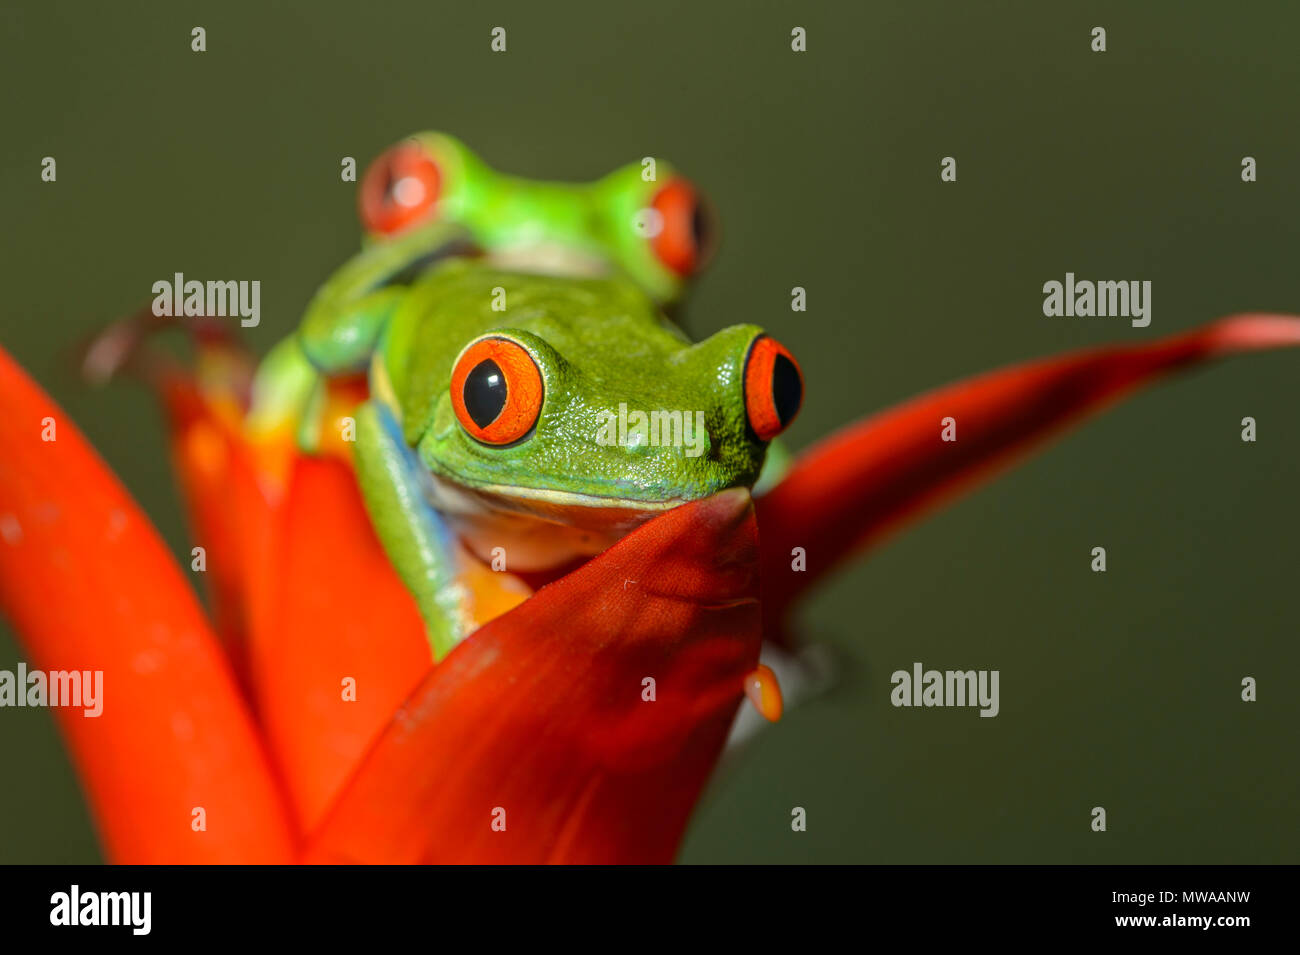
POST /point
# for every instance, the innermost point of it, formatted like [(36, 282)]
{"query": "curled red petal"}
[(847, 491), (539, 721), (88, 585)]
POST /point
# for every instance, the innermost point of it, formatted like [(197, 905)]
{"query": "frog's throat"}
[(559, 507), (539, 529)]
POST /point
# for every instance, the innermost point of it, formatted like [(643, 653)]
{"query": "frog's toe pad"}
[(764, 692)]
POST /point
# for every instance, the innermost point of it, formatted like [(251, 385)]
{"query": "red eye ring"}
[(399, 188), (684, 227), (773, 387), (496, 391)]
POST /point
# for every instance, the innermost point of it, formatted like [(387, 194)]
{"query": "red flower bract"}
[(89, 586), (559, 739), (306, 597), (535, 739)]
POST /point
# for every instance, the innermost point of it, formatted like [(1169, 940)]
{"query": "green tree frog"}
[(644, 219), (542, 433)]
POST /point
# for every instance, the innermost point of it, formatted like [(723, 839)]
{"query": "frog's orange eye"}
[(400, 187), (773, 387), (685, 231), (496, 391)]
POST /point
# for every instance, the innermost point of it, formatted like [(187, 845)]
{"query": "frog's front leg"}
[(284, 389), (289, 388), (414, 536)]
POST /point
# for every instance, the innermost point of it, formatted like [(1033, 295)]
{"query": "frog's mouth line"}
[(567, 499), (540, 529), (562, 507)]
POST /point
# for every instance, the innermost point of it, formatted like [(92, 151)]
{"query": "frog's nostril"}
[(773, 387)]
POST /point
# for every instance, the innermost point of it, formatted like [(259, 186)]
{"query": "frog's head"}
[(644, 220), (558, 425)]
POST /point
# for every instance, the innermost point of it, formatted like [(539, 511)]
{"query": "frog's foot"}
[(127, 345), (293, 405), (329, 424), (805, 674), (284, 390)]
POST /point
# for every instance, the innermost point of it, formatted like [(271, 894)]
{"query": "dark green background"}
[(1119, 690)]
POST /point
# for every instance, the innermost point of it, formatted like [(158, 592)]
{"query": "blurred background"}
[(1119, 689)]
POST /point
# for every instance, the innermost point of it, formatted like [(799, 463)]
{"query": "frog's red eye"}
[(496, 391), (773, 387), (685, 231), (400, 187)]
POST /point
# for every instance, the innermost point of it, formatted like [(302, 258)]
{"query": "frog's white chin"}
[(539, 530)]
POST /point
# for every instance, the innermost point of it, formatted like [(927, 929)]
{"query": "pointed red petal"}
[(227, 509), (847, 491), (88, 585), (340, 643), (538, 719), (311, 600)]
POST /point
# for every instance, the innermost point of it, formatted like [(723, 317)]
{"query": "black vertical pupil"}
[(700, 228), (787, 389), (485, 392)]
